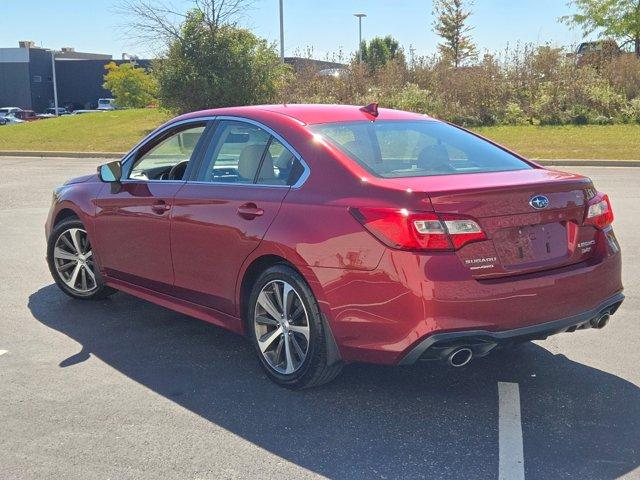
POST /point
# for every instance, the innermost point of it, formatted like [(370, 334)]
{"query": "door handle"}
[(250, 211), (160, 207)]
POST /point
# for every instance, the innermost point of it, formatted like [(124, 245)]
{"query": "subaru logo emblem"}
[(539, 202)]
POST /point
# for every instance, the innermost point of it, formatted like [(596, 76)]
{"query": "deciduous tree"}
[(130, 86), (618, 19), (379, 51), (451, 24)]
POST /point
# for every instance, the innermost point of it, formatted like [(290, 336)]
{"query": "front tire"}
[(286, 328), (71, 262)]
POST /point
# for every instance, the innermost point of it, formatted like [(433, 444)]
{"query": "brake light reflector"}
[(399, 228), (599, 212)]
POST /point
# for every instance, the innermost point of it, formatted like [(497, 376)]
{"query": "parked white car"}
[(11, 119), (4, 111), (106, 104)]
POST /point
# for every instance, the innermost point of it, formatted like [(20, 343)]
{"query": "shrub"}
[(526, 84), (514, 115)]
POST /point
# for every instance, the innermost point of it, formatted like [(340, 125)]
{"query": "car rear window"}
[(393, 149)]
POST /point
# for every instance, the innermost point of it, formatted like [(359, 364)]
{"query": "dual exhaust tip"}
[(601, 320), (461, 356)]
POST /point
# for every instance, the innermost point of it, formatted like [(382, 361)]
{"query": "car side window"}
[(239, 149), (236, 153), (168, 159), (277, 165)]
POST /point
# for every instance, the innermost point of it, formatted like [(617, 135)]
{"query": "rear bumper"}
[(439, 346), (380, 316)]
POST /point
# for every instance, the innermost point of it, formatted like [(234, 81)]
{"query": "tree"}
[(451, 25), (380, 51), (618, 19), (205, 60), (210, 66), (130, 86)]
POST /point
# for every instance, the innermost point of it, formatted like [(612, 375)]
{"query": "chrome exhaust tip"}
[(601, 320), (460, 357)]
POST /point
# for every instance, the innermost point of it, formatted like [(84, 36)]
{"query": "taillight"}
[(599, 212), (405, 230)]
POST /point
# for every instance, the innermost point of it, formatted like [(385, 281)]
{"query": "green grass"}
[(118, 131), (115, 131), (607, 142)]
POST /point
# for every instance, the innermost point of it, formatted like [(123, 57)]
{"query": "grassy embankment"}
[(118, 131)]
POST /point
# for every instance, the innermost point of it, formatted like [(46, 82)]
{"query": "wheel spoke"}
[(297, 348), (287, 298), (74, 276), (268, 338), (289, 368), (268, 306), (66, 266), (277, 353), (64, 255), (75, 238), (83, 277), (262, 320), (66, 241), (301, 329), (277, 293), (91, 275), (299, 310)]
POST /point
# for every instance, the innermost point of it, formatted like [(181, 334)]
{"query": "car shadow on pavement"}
[(426, 420)]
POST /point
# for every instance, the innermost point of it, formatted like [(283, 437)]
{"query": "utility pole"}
[(55, 84), (281, 32), (360, 16)]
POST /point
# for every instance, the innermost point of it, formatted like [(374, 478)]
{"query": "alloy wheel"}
[(281, 326), (73, 259)]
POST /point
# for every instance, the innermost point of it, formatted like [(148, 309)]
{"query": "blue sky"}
[(327, 26)]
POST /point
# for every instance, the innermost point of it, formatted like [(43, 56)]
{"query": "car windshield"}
[(3, 112), (392, 149)]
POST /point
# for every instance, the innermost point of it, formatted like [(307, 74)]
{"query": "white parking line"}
[(2, 352), (511, 466)]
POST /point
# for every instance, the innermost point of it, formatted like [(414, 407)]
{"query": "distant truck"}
[(106, 104), (593, 53)]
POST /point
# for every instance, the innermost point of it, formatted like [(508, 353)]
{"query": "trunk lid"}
[(522, 238)]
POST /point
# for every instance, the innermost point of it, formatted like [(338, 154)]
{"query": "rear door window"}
[(243, 153)]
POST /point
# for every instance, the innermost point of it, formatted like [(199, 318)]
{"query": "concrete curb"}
[(567, 162), (43, 154), (574, 162)]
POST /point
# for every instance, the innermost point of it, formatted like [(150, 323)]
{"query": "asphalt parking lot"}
[(124, 389)]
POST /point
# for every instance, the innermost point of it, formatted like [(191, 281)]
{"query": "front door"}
[(221, 218), (132, 226)]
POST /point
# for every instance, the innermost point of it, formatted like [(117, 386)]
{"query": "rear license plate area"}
[(531, 244)]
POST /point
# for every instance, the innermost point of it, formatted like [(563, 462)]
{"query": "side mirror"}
[(110, 172)]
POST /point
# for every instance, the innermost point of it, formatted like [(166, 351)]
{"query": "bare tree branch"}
[(155, 22), (151, 22)]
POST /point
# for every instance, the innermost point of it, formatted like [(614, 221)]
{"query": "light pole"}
[(281, 32), (55, 84), (360, 15)]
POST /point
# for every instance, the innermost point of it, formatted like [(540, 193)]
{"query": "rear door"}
[(220, 218)]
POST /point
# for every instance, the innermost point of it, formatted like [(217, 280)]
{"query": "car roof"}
[(311, 113)]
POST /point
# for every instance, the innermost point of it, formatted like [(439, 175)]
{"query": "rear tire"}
[(286, 328), (71, 262)]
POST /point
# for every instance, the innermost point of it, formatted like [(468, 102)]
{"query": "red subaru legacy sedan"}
[(333, 234)]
